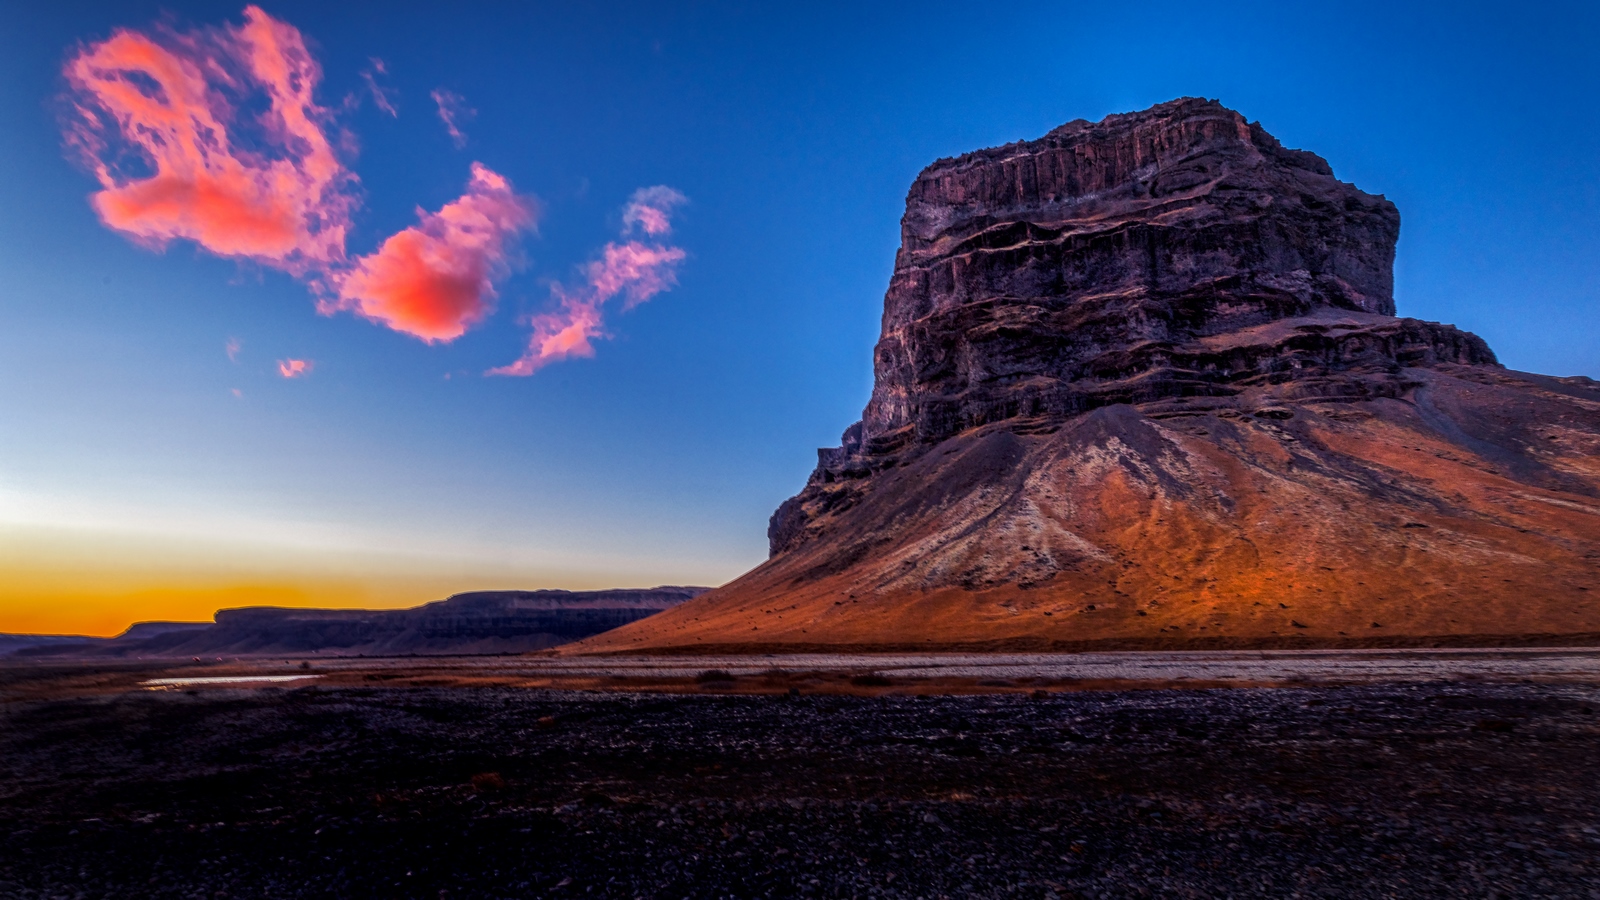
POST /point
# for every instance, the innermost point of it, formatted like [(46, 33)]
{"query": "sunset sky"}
[(320, 304)]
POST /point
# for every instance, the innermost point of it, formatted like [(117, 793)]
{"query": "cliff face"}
[(1141, 380), (1122, 262), (1094, 252)]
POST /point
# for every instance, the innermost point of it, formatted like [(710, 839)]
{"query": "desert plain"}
[(1306, 773)]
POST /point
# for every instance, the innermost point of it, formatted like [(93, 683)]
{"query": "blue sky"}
[(794, 133)]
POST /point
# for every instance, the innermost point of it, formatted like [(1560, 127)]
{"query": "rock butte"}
[(1140, 384)]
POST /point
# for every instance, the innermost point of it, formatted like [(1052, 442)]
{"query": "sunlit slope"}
[(1467, 508)]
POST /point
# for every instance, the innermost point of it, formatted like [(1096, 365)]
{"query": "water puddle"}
[(156, 684)]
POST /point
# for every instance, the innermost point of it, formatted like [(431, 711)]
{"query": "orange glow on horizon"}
[(97, 583), (37, 603)]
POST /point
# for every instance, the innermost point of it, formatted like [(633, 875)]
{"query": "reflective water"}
[(222, 679)]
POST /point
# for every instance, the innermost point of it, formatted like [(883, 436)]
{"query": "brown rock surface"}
[(1140, 384)]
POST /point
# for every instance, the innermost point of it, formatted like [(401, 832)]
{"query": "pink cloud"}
[(266, 187), (637, 271), (651, 209), (380, 94), (436, 279), (214, 136), (560, 334), (634, 270), (233, 346), (453, 112), (295, 368)]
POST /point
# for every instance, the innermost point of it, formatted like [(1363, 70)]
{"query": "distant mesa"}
[(143, 631), (477, 622), (1140, 383), (68, 644), (13, 643)]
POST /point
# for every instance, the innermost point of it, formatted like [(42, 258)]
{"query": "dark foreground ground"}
[(1437, 790)]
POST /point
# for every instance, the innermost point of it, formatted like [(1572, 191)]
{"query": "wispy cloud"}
[(559, 334), (233, 346), (380, 94), (453, 112), (266, 187), (633, 270), (295, 368), (650, 209), (435, 279)]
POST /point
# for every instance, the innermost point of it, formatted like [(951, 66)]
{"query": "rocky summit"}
[(1141, 383)]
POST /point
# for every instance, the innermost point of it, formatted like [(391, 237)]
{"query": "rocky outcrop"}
[(474, 622), (1178, 252), (1142, 380)]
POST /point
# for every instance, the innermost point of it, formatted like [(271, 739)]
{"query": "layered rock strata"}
[(1142, 380)]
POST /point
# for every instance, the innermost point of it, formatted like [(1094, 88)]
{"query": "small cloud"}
[(380, 94), (560, 334), (453, 112), (159, 121), (435, 279), (650, 209), (295, 368), (633, 270), (233, 346), (236, 392)]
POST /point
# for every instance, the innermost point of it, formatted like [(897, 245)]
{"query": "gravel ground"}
[(1386, 790)]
